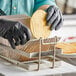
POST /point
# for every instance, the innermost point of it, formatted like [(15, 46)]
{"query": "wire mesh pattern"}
[(18, 56)]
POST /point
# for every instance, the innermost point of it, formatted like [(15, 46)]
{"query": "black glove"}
[(54, 18), (15, 32)]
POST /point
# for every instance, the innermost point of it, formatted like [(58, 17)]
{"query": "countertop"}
[(11, 70)]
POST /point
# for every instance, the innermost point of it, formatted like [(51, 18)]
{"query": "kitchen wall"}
[(68, 28)]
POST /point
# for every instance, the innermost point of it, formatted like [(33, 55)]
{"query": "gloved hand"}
[(54, 17), (15, 32)]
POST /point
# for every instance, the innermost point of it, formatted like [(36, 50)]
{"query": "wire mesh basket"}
[(35, 47)]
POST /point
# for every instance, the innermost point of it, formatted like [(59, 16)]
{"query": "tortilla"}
[(67, 48), (38, 25)]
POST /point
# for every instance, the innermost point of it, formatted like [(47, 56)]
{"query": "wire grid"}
[(7, 51)]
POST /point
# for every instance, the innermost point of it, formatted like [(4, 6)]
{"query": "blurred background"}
[(67, 6)]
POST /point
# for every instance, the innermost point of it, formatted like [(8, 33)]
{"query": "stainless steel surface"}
[(69, 20), (65, 74), (68, 60)]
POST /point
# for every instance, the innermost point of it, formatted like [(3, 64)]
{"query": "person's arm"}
[(44, 7), (45, 3), (54, 16)]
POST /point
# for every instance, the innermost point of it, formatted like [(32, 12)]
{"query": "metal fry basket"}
[(34, 55)]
